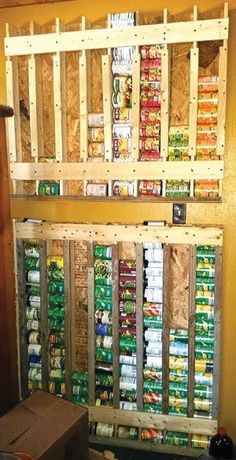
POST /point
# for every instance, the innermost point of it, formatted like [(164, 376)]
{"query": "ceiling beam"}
[(13, 3)]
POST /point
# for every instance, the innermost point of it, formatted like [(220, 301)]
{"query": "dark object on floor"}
[(221, 445)]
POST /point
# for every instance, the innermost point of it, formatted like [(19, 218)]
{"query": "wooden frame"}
[(120, 233), (179, 32)]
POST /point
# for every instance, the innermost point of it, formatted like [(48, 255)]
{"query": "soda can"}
[(121, 115), (103, 292), (56, 262), (95, 120), (151, 52), (31, 263), (33, 313), (104, 341), (104, 380), (35, 374), (80, 378), (103, 329), (57, 374), (55, 287), (57, 352), (105, 304), (34, 290), (34, 361), (57, 362), (57, 339)]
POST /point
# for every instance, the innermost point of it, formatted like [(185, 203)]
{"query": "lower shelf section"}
[(147, 446)]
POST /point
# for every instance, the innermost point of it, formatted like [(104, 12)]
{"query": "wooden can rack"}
[(84, 41), (68, 235)]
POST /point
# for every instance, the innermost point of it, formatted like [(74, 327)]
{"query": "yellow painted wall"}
[(224, 213)]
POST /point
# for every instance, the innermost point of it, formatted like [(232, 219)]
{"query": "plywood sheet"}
[(179, 286)]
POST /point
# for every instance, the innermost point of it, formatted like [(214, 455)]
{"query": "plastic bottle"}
[(221, 445)]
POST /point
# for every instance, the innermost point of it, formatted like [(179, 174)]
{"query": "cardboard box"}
[(46, 427)]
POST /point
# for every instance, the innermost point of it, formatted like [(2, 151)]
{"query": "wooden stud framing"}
[(44, 314), (68, 315), (217, 333), (122, 171), (59, 89), (222, 93), (22, 319), (13, 100), (155, 421), (72, 299), (91, 327), (178, 32), (191, 329), (107, 104), (113, 233), (139, 324), (165, 100), (84, 94), (115, 325), (135, 104), (194, 62), (165, 330)]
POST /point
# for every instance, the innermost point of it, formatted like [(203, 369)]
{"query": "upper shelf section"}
[(135, 109)]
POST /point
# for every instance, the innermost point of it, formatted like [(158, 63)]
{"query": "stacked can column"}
[(80, 387), (103, 326), (96, 152), (56, 323), (122, 102), (127, 330), (33, 314), (204, 335), (150, 113), (152, 314), (207, 132), (178, 151), (178, 371)]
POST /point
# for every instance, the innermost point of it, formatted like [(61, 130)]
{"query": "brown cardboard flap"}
[(14, 424), (40, 403)]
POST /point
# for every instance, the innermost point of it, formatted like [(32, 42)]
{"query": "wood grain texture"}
[(179, 286), (8, 346)]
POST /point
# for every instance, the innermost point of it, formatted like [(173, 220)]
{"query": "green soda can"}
[(33, 313), (80, 391), (204, 354), (80, 400), (203, 338), (204, 326), (56, 300), (102, 252), (103, 354), (177, 439), (56, 312), (31, 263), (206, 250), (55, 274), (43, 188), (127, 344), (206, 280), (152, 385), (55, 287), (54, 188), (103, 304)]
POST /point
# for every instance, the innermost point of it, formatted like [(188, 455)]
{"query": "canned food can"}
[(95, 120), (127, 344), (149, 129), (96, 135), (126, 432), (33, 313), (200, 441), (121, 131), (124, 53), (122, 145), (204, 405), (102, 252), (149, 116), (151, 52), (102, 354), (104, 429), (121, 100), (34, 349), (121, 115), (123, 188), (177, 439), (122, 83), (96, 149), (151, 435), (123, 67)]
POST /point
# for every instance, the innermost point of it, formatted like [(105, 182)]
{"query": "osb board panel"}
[(179, 100), (179, 286), (127, 251), (81, 307)]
